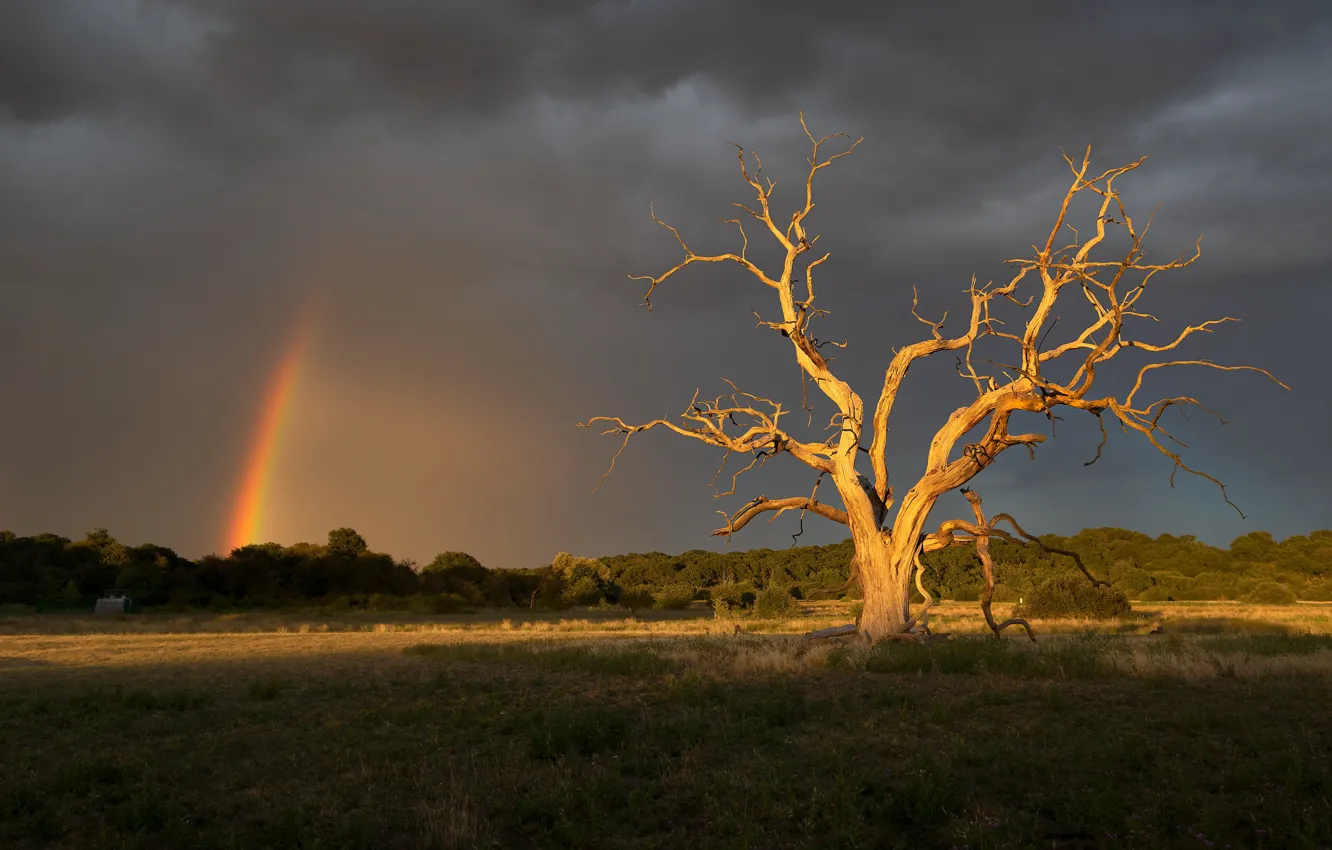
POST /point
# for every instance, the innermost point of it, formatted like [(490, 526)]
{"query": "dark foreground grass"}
[(631, 747)]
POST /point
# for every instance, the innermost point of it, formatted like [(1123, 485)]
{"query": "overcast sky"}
[(463, 187)]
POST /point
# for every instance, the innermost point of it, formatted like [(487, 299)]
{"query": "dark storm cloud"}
[(466, 184)]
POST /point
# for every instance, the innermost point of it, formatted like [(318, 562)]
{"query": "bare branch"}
[(1045, 547), (1137, 385), (691, 258), (707, 420), (1100, 445), (762, 504)]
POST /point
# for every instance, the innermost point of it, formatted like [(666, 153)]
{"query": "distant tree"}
[(457, 572), (451, 561), (584, 580), (99, 538), (1254, 546), (345, 541)]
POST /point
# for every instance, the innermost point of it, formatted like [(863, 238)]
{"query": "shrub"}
[(825, 580), (1070, 595), (1004, 593), (673, 597), (583, 591), (1155, 593), (1132, 580), (1270, 593), (965, 593), (1319, 591), (637, 597), (775, 604), (734, 594), (446, 603), (723, 610)]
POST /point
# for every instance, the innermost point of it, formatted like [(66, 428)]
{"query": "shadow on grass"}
[(1084, 656), (1229, 626), (663, 743), (611, 661)]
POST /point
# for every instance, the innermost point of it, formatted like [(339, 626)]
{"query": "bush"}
[(1071, 595), (446, 603), (775, 604), (1155, 593), (673, 597), (1130, 579), (583, 591), (733, 594), (636, 597), (965, 593), (1004, 593), (1319, 591), (723, 610), (1270, 593)]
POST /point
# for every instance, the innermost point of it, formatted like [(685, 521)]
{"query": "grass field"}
[(593, 730)]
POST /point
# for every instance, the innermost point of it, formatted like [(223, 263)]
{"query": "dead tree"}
[(890, 534)]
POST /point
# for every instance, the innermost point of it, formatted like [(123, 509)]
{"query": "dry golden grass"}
[(1196, 661), (1186, 617), (953, 617), (109, 648)]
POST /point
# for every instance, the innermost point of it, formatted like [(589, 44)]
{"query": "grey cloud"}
[(467, 186)]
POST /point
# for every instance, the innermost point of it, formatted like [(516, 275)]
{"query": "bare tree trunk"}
[(887, 567), (886, 598)]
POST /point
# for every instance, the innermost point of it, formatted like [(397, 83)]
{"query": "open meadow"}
[(591, 729)]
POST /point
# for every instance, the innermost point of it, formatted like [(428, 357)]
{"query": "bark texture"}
[(1067, 270)]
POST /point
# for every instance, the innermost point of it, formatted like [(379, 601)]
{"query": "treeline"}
[(1256, 568), (50, 572)]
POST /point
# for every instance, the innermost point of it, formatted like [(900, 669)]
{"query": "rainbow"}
[(248, 512)]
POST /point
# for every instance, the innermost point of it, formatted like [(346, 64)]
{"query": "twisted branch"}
[(987, 564)]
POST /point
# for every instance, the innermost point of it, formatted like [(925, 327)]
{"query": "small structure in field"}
[(114, 602)]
